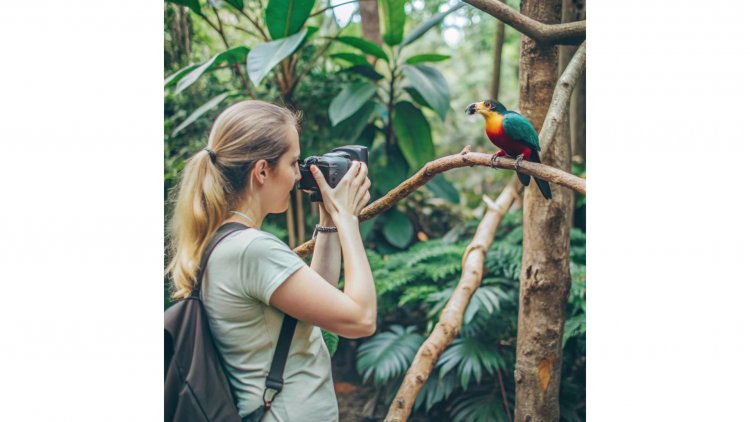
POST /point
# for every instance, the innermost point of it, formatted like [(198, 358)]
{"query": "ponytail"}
[(213, 178)]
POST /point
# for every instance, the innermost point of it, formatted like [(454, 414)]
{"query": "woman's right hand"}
[(350, 196)]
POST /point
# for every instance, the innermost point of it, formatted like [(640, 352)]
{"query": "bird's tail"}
[(543, 185)]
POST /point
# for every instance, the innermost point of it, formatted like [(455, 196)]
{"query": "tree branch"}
[(561, 96), (562, 33), (452, 316), (465, 158)]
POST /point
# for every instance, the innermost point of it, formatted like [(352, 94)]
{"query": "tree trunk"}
[(368, 11), (545, 274), (497, 62)]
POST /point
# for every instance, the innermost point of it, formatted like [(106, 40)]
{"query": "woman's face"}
[(283, 179)]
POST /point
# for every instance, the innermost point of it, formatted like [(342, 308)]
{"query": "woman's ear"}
[(260, 171)]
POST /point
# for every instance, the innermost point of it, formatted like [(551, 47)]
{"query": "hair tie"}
[(211, 154)]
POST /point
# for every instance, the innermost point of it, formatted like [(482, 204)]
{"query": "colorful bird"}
[(514, 135)]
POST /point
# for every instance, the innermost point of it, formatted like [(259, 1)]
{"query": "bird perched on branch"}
[(514, 135)]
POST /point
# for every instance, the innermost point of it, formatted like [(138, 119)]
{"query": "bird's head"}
[(486, 108)]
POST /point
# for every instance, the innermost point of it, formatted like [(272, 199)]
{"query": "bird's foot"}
[(499, 153), (519, 158)]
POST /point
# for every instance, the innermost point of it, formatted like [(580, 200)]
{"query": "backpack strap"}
[(223, 231)]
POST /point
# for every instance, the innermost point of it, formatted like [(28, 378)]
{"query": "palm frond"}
[(388, 355), (471, 356)]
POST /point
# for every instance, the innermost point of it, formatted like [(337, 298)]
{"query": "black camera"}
[(333, 165)]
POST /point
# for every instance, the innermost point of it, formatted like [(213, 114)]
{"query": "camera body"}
[(333, 165)]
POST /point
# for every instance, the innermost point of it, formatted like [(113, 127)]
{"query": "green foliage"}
[(200, 111), (331, 340), (387, 355), (398, 229), (420, 58), (431, 85), (413, 287), (428, 24), (185, 79), (365, 46), (393, 17), (350, 100), (286, 17), (266, 56), (413, 134)]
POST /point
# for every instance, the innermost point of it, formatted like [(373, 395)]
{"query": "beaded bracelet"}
[(323, 229)]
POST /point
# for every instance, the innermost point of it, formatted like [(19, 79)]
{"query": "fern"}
[(388, 355), (417, 293), (436, 389), (479, 406), (471, 356)]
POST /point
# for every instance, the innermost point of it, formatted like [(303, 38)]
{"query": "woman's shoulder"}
[(254, 239)]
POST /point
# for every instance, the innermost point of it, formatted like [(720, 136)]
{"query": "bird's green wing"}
[(520, 129)]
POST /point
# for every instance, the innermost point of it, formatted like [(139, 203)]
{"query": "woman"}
[(252, 278)]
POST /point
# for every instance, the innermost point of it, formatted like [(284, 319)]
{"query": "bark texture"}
[(545, 272), (452, 316)]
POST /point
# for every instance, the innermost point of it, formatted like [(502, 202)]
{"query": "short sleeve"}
[(266, 262)]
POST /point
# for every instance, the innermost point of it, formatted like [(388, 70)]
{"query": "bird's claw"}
[(519, 158)]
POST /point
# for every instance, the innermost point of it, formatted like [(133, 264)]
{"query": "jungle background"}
[(395, 77)]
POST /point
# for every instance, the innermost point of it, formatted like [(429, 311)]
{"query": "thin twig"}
[(543, 33), (505, 395)]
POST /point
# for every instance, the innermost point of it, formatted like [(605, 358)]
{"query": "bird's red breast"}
[(494, 128)]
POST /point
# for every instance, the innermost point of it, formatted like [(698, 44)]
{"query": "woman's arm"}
[(326, 258)]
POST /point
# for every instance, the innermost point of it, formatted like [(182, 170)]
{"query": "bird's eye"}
[(487, 104)]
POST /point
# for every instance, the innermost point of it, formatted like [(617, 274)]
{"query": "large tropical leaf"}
[(421, 58), (431, 85), (231, 56), (429, 24), (486, 298), (213, 102), (366, 70), (352, 58), (265, 56), (393, 16), (350, 100), (478, 406), (286, 17), (365, 46), (414, 134), (238, 4), (442, 188), (388, 355), (194, 5), (436, 389), (472, 357), (175, 77), (398, 230), (352, 127)]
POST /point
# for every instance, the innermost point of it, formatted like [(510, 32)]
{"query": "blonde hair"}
[(243, 134)]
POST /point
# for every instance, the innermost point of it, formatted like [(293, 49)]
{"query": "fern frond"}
[(388, 355)]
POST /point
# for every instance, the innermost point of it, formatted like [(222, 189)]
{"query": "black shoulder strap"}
[(223, 231), (275, 378)]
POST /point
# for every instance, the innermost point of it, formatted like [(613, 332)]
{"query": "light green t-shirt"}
[(242, 273)]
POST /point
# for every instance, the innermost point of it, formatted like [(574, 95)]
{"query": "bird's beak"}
[(471, 109)]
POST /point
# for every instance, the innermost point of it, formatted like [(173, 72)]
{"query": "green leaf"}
[(349, 100), (428, 24), (331, 340), (472, 357), (175, 77), (352, 58), (365, 70), (286, 17), (442, 188), (213, 102), (396, 170), (393, 16), (194, 5), (435, 390), (350, 128), (413, 134), (485, 298), (478, 405), (387, 355), (431, 85), (416, 96), (238, 4), (419, 58), (265, 56), (231, 56), (365, 46), (398, 230)]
